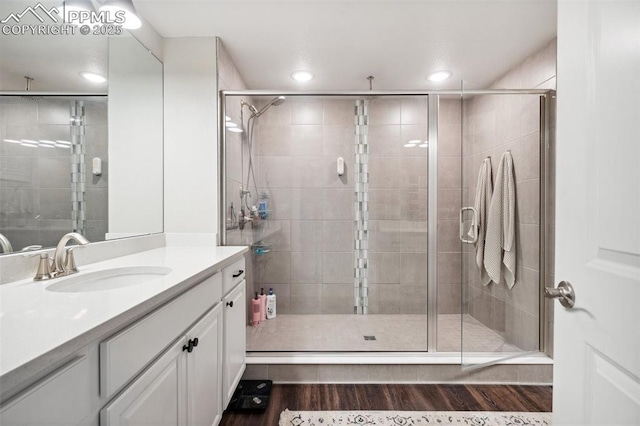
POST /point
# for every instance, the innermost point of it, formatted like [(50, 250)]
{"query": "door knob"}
[(564, 292)]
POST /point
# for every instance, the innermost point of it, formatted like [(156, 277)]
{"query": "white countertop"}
[(40, 327)]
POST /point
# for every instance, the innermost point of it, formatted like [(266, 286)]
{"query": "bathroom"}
[(352, 195)]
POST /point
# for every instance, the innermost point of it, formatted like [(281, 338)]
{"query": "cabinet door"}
[(64, 398), (157, 397), (204, 370), (235, 339)]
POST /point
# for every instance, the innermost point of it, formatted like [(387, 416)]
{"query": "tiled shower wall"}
[(493, 125), (35, 183), (310, 266)]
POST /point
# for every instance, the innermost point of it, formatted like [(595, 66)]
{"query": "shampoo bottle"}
[(271, 305), (255, 311), (263, 305)]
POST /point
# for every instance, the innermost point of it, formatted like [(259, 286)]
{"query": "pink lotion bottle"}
[(263, 305), (255, 311)]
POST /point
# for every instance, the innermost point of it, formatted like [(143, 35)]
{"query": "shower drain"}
[(369, 337)]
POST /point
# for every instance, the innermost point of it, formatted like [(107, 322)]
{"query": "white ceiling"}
[(342, 42)]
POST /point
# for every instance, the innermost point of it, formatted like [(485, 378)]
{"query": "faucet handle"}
[(44, 267), (70, 261)]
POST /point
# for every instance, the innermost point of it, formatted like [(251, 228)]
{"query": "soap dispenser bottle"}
[(255, 311), (271, 305), (263, 305)]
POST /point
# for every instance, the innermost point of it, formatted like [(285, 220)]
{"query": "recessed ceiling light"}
[(439, 75), (409, 145), (230, 124), (11, 140), (424, 145), (93, 77), (235, 129), (227, 118), (414, 141), (302, 76)]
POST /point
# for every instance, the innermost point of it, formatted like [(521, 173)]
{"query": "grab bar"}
[(474, 226)]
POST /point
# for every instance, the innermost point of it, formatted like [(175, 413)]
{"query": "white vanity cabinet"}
[(176, 365), (182, 387)]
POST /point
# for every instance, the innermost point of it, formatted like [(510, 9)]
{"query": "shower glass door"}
[(501, 222)]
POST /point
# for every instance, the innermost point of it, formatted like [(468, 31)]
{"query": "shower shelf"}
[(260, 248)]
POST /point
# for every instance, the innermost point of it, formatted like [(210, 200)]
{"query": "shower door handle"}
[(474, 226)]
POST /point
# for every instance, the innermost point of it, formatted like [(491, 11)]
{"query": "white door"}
[(204, 370), (597, 343)]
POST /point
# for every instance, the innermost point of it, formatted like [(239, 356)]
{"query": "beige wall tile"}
[(449, 140), (306, 203), (275, 141), (306, 235), (449, 268), (393, 373), (384, 140), (274, 268), (305, 140), (337, 235), (343, 374), (337, 268), (256, 372), (339, 111), (413, 110), (307, 113), (338, 204), (384, 111), (384, 268), (306, 267), (274, 172), (413, 268), (293, 373), (384, 204), (305, 299), (338, 140)]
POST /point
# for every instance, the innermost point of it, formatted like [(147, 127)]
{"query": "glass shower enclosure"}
[(350, 204)]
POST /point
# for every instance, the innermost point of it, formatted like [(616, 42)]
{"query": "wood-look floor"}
[(396, 397)]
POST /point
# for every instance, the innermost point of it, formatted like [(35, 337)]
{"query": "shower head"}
[(278, 100)]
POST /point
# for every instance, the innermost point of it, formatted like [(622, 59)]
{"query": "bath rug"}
[(412, 418)]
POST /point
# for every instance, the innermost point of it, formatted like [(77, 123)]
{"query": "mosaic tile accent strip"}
[(361, 199), (78, 171)]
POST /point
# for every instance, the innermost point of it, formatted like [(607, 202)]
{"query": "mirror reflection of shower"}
[(249, 212)]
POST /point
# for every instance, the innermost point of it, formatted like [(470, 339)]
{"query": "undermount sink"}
[(109, 279)]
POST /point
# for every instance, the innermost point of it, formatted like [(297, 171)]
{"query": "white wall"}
[(135, 139), (191, 172)]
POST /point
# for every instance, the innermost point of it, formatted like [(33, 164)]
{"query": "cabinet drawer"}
[(233, 274), (64, 398), (128, 352)]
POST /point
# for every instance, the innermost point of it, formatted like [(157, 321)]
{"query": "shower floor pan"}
[(371, 333)]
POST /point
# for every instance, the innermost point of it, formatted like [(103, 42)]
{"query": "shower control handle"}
[(564, 292)]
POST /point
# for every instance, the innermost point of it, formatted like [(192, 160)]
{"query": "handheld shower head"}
[(278, 100)]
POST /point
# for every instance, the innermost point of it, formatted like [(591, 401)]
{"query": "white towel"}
[(484, 191), (500, 245)]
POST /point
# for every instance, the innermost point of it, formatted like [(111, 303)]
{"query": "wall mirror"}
[(77, 153)]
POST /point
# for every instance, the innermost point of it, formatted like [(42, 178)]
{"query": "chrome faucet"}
[(5, 244), (63, 260)]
